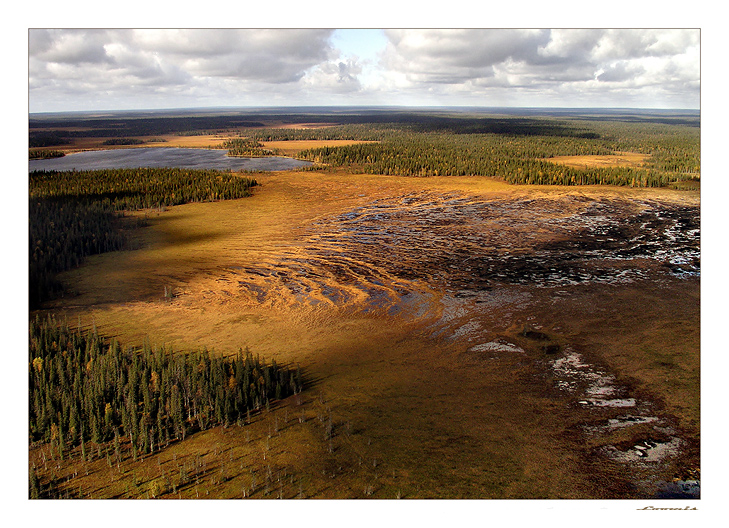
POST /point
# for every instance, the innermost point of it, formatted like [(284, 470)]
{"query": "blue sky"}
[(109, 69), (366, 43)]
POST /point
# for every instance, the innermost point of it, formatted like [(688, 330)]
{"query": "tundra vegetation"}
[(132, 419)]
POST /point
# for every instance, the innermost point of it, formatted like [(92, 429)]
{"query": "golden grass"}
[(204, 141), (258, 460), (414, 415), (619, 159)]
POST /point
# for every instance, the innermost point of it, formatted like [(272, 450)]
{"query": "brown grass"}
[(414, 414), (619, 159)]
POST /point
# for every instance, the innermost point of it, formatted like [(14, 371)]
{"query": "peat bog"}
[(459, 336)]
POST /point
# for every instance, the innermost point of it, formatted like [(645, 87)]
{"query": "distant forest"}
[(509, 144), (520, 156)]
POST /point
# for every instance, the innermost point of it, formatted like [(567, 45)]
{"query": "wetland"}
[(459, 337)]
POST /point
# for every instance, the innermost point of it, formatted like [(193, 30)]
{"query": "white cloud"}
[(163, 68), (540, 64), (336, 76), (454, 56), (139, 65), (69, 46)]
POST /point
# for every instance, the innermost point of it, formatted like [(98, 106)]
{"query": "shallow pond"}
[(185, 158)]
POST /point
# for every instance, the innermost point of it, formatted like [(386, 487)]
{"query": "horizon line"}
[(371, 107)]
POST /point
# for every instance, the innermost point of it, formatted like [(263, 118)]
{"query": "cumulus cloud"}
[(621, 71), (454, 56), (336, 76), (130, 63), (525, 67), (68, 46), (550, 61), (273, 56)]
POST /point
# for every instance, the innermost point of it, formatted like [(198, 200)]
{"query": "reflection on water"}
[(184, 158)]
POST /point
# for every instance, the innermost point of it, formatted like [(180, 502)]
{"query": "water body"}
[(184, 158)]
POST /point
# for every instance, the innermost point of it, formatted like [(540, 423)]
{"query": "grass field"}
[(619, 159), (415, 411)]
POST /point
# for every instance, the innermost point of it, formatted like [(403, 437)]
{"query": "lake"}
[(184, 158)]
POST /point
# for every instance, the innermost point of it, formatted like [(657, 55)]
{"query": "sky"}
[(136, 69)]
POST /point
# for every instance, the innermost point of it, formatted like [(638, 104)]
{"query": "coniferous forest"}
[(77, 214), (519, 154), (246, 148), (84, 388), (515, 148)]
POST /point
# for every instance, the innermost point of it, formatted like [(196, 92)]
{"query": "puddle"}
[(497, 346), (595, 387), (598, 390), (619, 422), (680, 489), (645, 452), (616, 402), (470, 330)]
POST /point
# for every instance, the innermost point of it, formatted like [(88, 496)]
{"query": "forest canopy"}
[(511, 144), (76, 214)]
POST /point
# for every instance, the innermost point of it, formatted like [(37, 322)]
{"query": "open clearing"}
[(464, 338), (619, 159)]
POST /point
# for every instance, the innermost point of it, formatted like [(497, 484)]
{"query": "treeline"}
[(361, 132), (671, 147), (69, 128), (84, 388), (141, 188), (523, 158), (76, 214), (47, 138), (45, 154), (123, 141), (246, 147), (62, 234)]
